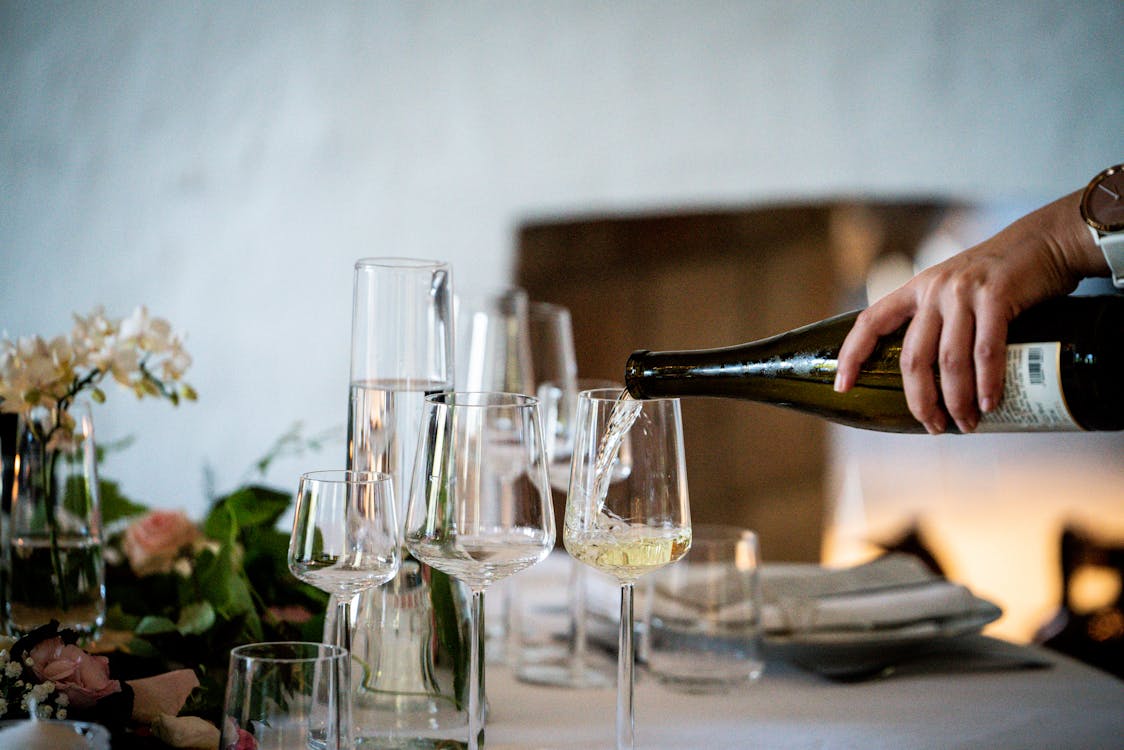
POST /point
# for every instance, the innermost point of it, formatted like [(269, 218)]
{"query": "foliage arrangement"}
[(181, 594)]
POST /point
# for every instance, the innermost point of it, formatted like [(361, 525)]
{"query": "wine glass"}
[(493, 347), (493, 354), (633, 526), (571, 665), (345, 541), (480, 505)]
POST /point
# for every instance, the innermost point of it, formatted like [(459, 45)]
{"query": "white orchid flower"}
[(141, 353)]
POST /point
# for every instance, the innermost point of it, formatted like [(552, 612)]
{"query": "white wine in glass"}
[(633, 526), (480, 506)]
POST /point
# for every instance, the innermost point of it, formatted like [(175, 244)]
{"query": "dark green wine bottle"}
[(1065, 371)]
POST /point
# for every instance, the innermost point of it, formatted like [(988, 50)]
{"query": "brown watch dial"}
[(1102, 204)]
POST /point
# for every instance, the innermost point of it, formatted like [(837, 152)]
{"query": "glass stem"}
[(343, 701), (578, 640), (476, 674), (50, 498), (626, 726)]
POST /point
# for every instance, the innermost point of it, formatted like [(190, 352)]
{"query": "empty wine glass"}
[(480, 505), (635, 525), (493, 354), (345, 541), (571, 665)]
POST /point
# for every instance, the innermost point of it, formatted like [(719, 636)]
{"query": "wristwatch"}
[(1102, 208)]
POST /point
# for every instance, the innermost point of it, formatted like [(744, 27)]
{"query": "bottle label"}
[(1032, 393)]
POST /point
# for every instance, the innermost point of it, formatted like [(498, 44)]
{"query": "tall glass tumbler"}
[(410, 636)]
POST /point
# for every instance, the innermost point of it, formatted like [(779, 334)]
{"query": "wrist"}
[(1067, 234)]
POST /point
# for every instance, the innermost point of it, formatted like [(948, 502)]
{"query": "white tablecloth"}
[(984, 698), (1066, 705)]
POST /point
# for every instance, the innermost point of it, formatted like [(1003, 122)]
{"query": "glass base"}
[(86, 621), (409, 743), (563, 674), (716, 681), (406, 721)]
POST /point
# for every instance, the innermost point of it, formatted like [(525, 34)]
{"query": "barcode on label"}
[(1034, 366)]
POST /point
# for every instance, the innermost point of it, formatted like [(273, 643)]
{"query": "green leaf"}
[(155, 625), (196, 619), (142, 648), (118, 619), (251, 507), (449, 631), (220, 575), (219, 524), (114, 504)]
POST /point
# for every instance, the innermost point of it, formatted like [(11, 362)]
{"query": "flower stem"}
[(47, 459)]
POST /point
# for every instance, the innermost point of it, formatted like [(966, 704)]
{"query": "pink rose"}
[(291, 613), (82, 677), (153, 541), (245, 741)]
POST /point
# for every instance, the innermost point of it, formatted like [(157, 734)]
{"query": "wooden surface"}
[(688, 280)]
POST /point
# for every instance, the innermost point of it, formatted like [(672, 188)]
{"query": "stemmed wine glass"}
[(345, 541), (554, 365), (635, 525), (493, 353), (480, 505)]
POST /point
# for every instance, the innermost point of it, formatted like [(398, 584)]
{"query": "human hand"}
[(958, 312)]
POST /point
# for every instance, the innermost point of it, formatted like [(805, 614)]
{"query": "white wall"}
[(226, 162)]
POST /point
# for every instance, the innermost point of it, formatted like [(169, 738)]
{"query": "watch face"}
[(1102, 204)]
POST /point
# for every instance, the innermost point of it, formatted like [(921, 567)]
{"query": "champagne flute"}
[(480, 505), (633, 526), (345, 540)]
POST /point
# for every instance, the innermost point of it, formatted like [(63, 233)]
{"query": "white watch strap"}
[(1112, 245)]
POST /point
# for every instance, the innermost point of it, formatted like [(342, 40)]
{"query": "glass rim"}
[(346, 476), (534, 306), (400, 263), (323, 651), (602, 395), (483, 399)]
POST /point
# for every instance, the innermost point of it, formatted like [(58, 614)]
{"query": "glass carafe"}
[(410, 637)]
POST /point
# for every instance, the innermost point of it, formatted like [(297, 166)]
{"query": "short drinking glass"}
[(285, 696), (704, 619)]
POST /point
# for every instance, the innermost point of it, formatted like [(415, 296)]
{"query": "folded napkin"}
[(892, 591)]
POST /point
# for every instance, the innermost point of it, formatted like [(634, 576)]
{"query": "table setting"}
[(351, 609)]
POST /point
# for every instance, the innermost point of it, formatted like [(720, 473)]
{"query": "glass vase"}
[(56, 570)]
